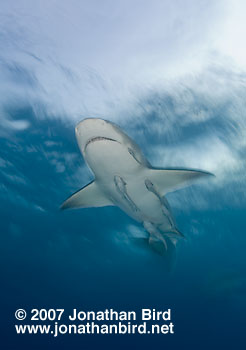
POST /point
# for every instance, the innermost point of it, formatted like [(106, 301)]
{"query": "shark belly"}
[(118, 173), (108, 158), (129, 192), (123, 180), (149, 205)]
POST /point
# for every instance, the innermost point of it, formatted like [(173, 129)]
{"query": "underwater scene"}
[(64, 62)]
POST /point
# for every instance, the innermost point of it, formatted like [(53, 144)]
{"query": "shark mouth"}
[(98, 138)]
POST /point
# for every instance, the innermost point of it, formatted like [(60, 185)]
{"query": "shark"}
[(123, 177)]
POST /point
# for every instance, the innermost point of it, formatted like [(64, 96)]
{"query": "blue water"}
[(86, 259)]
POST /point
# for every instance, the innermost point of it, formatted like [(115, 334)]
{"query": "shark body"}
[(125, 178)]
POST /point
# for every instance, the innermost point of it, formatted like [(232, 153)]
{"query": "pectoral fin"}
[(89, 196), (168, 180)]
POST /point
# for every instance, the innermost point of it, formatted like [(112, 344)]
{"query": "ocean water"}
[(172, 75), (87, 259)]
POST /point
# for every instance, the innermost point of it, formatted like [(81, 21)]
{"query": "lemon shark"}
[(125, 178)]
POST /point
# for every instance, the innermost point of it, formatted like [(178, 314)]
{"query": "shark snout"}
[(93, 129), (89, 126)]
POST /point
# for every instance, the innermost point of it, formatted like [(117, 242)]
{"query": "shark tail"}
[(156, 245), (174, 233), (160, 240), (159, 246)]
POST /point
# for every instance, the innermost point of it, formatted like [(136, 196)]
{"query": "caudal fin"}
[(159, 246)]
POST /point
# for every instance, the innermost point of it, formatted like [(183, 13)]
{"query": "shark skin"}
[(125, 178)]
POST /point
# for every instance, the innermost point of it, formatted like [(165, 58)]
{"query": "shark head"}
[(98, 138), (93, 130)]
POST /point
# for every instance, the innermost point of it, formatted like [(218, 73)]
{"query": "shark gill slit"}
[(133, 155)]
